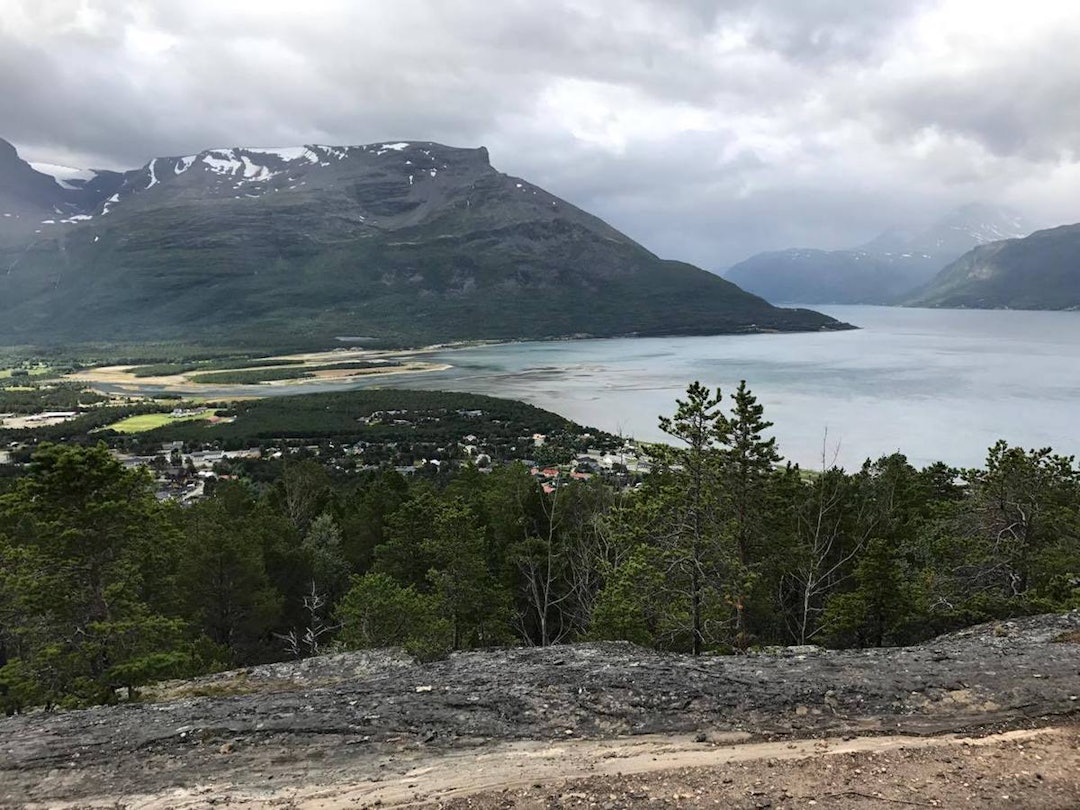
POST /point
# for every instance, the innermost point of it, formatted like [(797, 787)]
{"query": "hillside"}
[(1041, 271), (403, 242), (882, 271)]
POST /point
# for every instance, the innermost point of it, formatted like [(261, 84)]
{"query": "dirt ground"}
[(1016, 769), (987, 717)]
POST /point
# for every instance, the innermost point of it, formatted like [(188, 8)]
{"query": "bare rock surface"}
[(367, 716)]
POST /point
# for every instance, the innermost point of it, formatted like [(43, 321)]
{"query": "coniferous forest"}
[(723, 548)]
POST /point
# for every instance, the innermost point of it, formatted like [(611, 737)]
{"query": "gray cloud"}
[(707, 129)]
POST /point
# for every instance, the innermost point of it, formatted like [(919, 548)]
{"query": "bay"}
[(934, 384)]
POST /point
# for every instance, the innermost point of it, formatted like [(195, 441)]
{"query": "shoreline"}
[(119, 376)]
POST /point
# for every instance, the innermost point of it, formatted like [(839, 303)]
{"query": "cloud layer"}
[(706, 129)]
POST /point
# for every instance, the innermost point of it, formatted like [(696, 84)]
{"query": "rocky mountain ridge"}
[(406, 242)]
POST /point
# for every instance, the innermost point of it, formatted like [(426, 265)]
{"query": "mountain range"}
[(885, 270), (1040, 271), (403, 242)]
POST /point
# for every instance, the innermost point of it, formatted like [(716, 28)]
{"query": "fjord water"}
[(934, 384)]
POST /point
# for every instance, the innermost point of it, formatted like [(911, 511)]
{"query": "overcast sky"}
[(706, 130)]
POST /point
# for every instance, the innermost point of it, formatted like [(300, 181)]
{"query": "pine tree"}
[(747, 463), (689, 496)]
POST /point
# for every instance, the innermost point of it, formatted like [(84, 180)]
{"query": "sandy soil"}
[(1018, 769), (23, 422), (1023, 769), (181, 383)]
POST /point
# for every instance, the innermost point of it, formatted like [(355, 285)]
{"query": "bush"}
[(378, 612)]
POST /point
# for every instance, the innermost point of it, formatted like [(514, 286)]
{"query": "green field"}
[(152, 421), (222, 364), (271, 374), (40, 370)]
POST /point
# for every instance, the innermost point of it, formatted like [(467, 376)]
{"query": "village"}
[(187, 476), (413, 442)]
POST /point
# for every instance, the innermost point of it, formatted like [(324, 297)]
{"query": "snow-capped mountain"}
[(232, 173), (400, 240), (954, 234)]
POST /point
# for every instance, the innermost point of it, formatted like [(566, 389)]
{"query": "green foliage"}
[(219, 364), (706, 517), (637, 605), (103, 589), (472, 598), (223, 582), (93, 560), (872, 614), (37, 397), (379, 612), (329, 568)]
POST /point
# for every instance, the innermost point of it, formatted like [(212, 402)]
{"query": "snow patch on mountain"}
[(153, 173), (993, 231), (253, 171), (65, 176), (249, 164), (221, 161), (286, 154), (338, 152)]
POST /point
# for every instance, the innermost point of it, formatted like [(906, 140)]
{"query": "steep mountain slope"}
[(883, 270), (1041, 271), (31, 195), (405, 242)]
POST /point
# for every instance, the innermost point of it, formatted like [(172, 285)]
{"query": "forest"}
[(724, 548)]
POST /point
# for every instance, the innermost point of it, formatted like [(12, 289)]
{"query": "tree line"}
[(722, 548)]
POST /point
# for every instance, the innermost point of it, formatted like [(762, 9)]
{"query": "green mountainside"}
[(1041, 271), (401, 242)]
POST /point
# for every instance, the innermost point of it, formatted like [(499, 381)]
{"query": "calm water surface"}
[(934, 384)]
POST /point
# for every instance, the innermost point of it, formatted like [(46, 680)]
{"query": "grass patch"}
[(223, 364), (1069, 637), (250, 377), (24, 372), (163, 369), (152, 421)]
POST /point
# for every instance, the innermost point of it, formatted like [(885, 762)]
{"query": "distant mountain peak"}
[(953, 233), (883, 270)]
